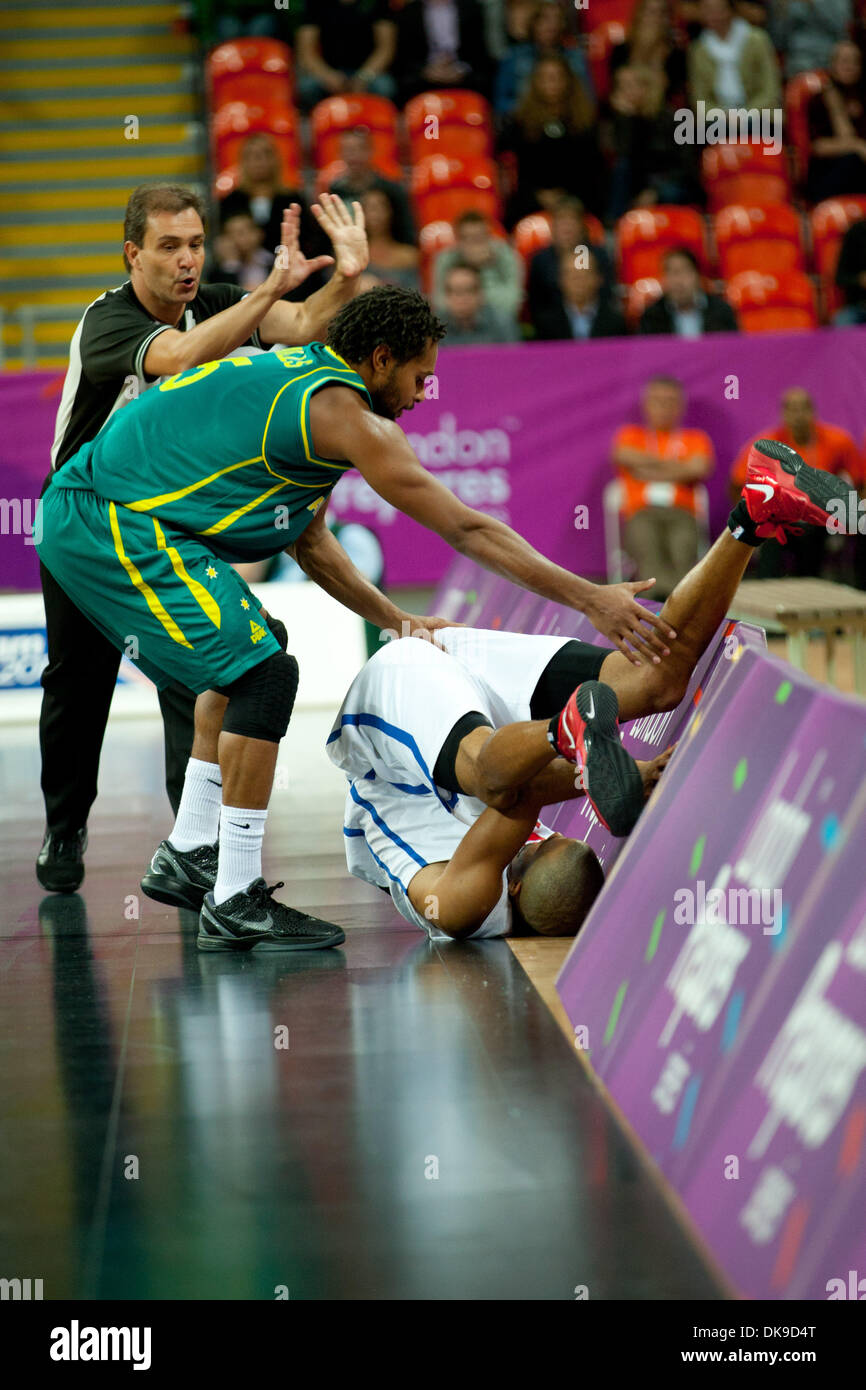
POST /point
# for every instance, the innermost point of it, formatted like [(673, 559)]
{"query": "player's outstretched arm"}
[(344, 428), (457, 896)]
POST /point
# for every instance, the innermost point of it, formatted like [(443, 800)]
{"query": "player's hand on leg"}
[(651, 771), (614, 611)]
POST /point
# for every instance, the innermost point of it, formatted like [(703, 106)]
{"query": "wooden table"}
[(797, 607)]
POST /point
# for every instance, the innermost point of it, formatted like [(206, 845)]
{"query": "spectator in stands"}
[(650, 164), (805, 32), (732, 64), (466, 316), (652, 42), (393, 262), (236, 19), (356, 152), (546, 35), (441, 43), (584, 307), (568, 232), (554, 144), (239, 256), (837, 129), (496, 261), (851, 275), (822, 446), (659, 463), (261, 194), (345, 46), (683, 307)]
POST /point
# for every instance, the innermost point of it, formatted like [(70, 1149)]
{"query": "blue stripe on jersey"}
[(392, 834), (401, 736), (351, 834)]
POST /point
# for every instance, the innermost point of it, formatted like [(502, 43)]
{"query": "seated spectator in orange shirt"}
[(822, 446), (658, 464)]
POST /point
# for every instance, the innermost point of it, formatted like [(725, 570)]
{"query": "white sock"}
[(240, 854), (198, 815)]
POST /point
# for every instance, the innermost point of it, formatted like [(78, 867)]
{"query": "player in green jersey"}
[(240, 457)]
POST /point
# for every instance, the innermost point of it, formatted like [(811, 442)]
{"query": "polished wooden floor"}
[(390, 1120)]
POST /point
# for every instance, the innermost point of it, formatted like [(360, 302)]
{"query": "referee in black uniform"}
[(159, 322)]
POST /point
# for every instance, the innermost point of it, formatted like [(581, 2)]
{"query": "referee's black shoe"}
[(253, 921), (60, 862), (181, 877)]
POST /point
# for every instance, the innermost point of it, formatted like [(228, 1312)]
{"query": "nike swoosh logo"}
[(213, 783), (590, 713), (238, 825), (769, 492)]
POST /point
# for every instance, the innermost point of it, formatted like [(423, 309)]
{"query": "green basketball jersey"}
[(222, 451)]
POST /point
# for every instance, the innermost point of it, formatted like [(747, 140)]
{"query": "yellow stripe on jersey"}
[(311, 458), (144, 589), (163, 500), (203, 598), (232, 517)]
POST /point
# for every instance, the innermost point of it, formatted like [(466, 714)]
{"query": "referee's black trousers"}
[(77, 685)]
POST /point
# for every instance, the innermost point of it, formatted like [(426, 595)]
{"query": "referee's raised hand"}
[(291, 267), (347, 233)]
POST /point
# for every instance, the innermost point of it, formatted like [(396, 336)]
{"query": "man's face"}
[(473, 243), (798, 414), (580, 284), (355, 150), (846, 63), (568, 231), (462, 295), (715, 15), (169, 262), (681, 281), (663, 406), (244, 235), (398, 386)]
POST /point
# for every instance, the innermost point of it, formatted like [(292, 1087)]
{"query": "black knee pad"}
[(261, 700), (279, 630)]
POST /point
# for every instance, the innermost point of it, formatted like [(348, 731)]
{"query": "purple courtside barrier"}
[(717, 985)]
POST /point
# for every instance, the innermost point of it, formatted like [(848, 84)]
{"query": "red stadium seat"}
[(251, 56), (640, 294), (451, 122), (643, 235), (754, 238), (829, 222), (442, 188), (600, 43), (255, 88), (798, 93), (331, 117), (773, 303), (747, 173)]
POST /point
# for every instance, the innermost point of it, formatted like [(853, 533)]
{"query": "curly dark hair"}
[(400, 319)]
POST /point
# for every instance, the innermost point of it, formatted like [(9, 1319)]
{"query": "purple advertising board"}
[(714, 985), (524, 433)]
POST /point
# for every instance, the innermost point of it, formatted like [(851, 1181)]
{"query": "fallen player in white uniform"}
[(452, 750)]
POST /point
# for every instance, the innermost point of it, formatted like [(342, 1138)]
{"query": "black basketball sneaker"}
[(253, 921), (181, 877), (587, 734)]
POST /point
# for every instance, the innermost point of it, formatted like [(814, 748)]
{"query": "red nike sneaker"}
[(586, 734), (781, 490)]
